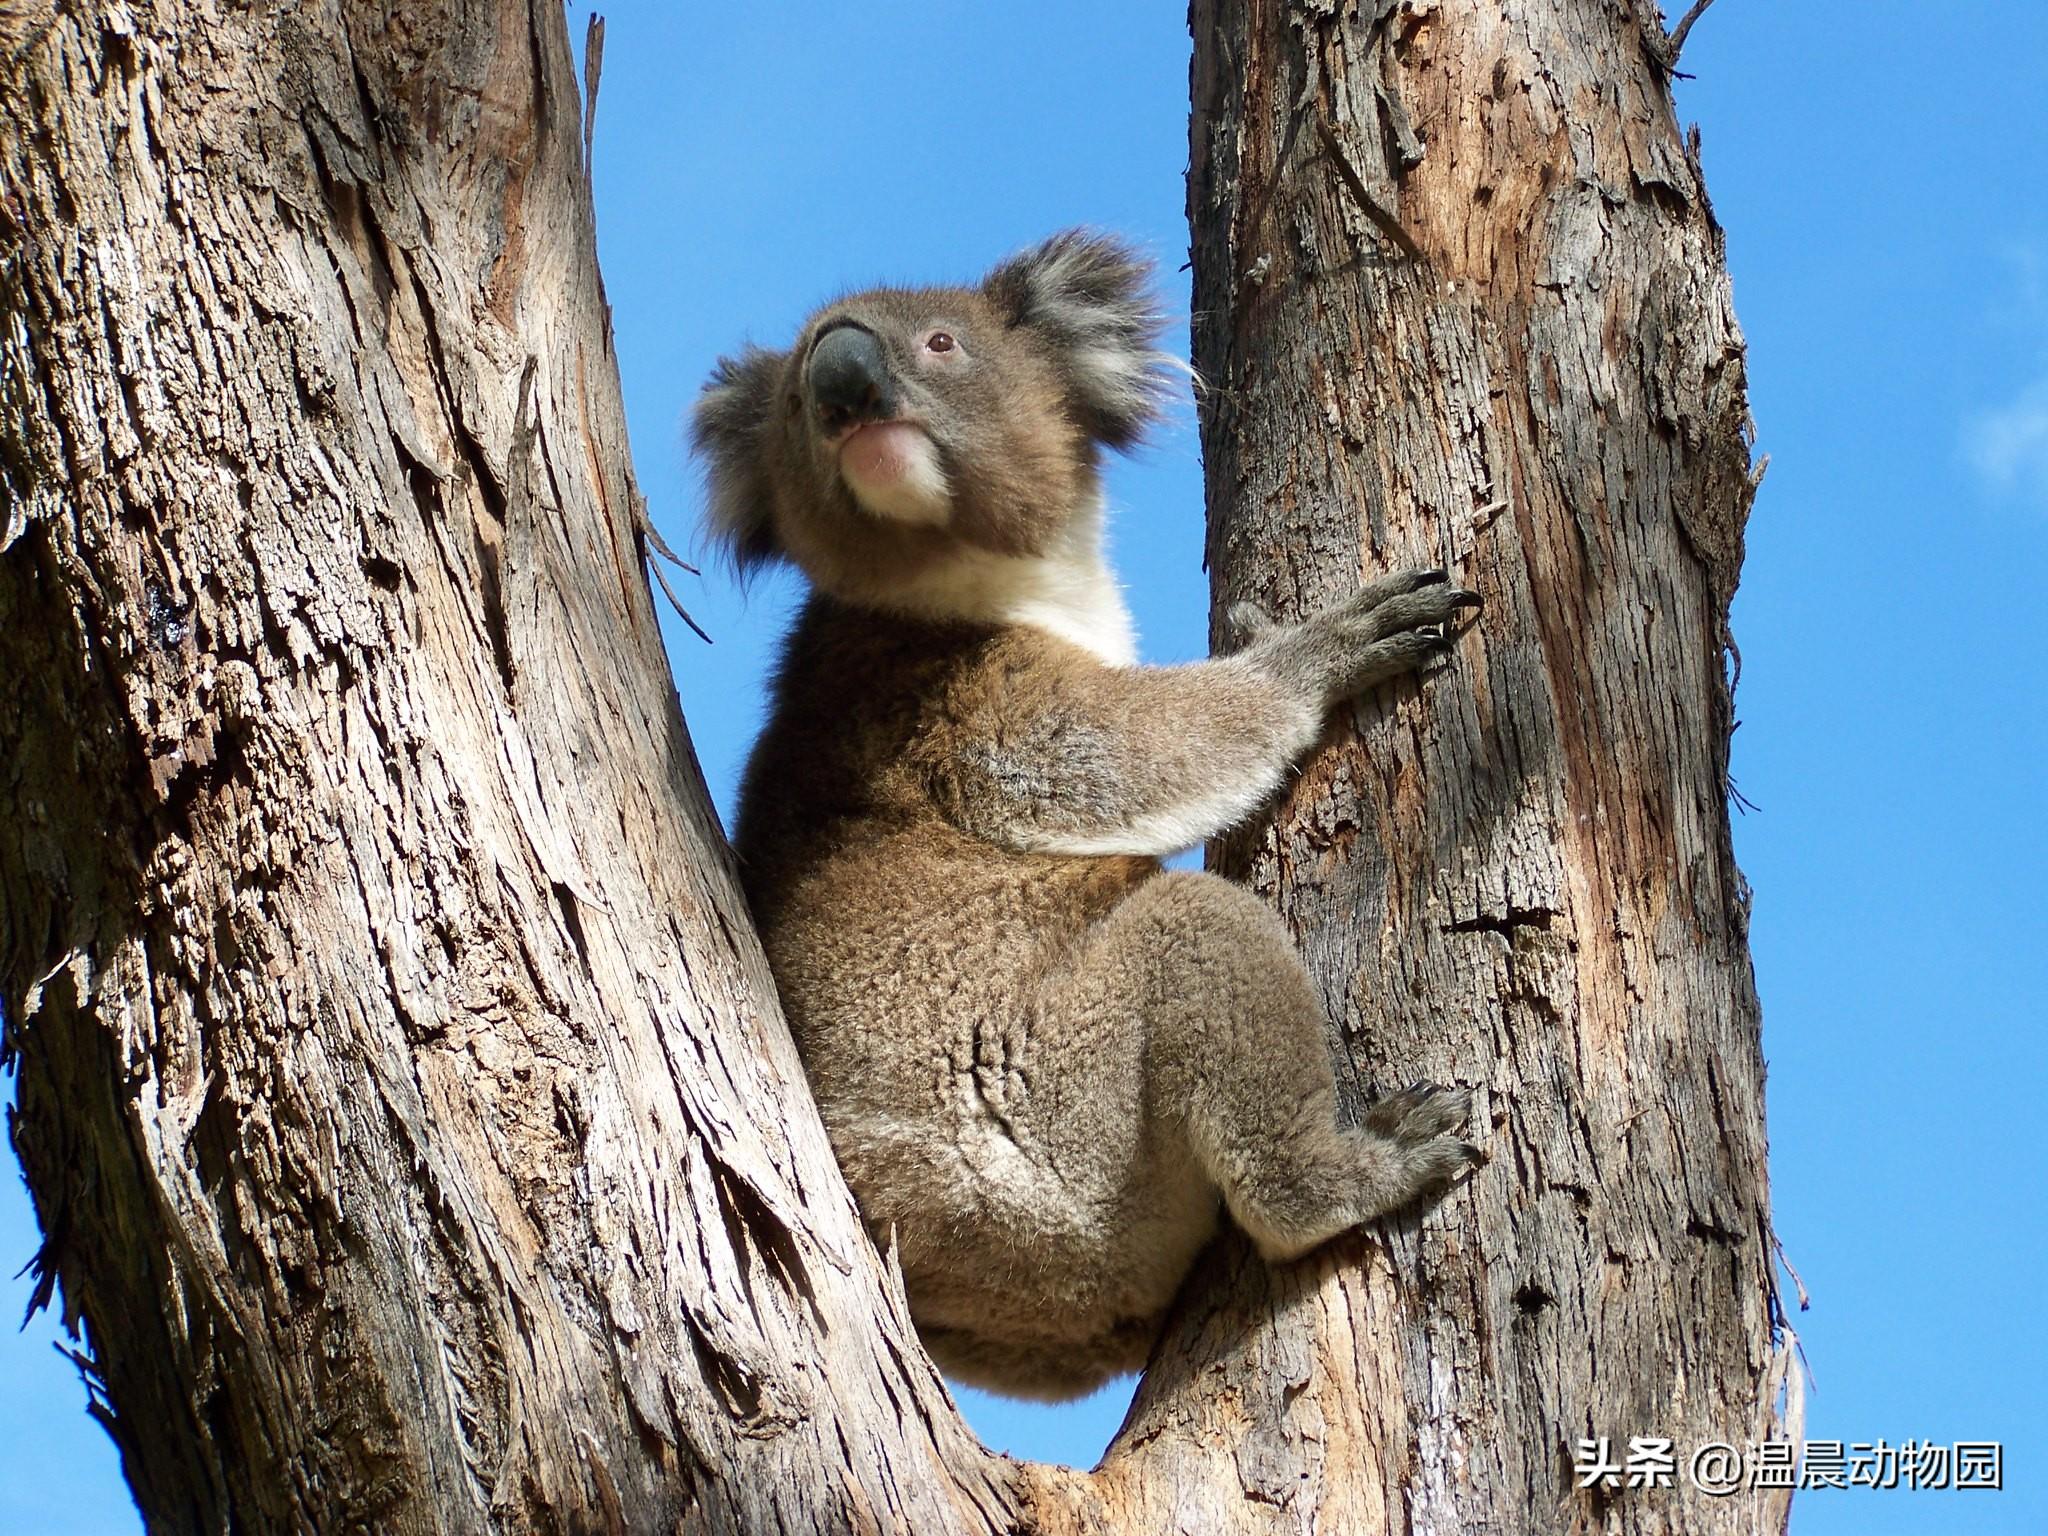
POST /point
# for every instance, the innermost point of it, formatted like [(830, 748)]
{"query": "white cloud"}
[(2009, 445)]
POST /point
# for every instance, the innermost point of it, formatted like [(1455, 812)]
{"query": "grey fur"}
[(1047, 1065), (730, 415), (1090, 297)]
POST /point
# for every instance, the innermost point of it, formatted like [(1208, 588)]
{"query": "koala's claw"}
[(1396, 584), (1435, 1166)]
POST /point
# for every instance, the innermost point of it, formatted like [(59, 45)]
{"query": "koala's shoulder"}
[(1008, 678), (997, 721), (875, 715)]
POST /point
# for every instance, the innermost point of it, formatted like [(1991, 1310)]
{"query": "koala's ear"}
[(730, 428), (1090, 296)]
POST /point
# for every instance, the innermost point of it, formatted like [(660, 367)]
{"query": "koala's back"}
[(1003, 1139)]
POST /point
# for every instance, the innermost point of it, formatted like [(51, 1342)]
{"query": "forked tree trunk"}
[(408, 1114)]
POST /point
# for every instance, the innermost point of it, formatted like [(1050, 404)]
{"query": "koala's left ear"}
[(728, 427), (1091, 297)]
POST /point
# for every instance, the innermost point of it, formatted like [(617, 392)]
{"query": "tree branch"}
[(1675, 43)]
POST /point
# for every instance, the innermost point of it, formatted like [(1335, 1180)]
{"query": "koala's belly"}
[(1002, 1138)]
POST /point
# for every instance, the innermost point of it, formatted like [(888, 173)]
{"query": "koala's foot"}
[(1408, 1149), (1411, 1148), (1419, 1112)]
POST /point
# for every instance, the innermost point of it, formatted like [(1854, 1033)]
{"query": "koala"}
[(1048, 1065)]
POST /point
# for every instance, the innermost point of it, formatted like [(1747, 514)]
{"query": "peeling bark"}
[(416, 1139)]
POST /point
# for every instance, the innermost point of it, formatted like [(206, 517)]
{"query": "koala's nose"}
[(849, 379)]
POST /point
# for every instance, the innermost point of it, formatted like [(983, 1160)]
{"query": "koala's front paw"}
[(1390, 628), (1397, 584), (1406, 600), (1416, 1150)]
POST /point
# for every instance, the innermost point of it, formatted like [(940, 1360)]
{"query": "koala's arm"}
[(1042, 754)]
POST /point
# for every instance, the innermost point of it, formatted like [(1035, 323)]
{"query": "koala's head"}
[(908, 426)]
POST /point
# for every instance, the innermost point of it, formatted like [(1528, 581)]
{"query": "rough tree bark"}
[(1463, 301), (401, 1090), (413, 1130)]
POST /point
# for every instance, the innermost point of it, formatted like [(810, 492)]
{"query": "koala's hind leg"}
[(1235, 1052)]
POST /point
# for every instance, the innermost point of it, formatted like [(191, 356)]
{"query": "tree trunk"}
[(410, 1120), (1461, 301), (401, 1088)]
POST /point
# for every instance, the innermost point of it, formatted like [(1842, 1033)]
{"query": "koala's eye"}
[(939, 341)]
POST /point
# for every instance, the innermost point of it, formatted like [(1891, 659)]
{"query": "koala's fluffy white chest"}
[(1068, 591)]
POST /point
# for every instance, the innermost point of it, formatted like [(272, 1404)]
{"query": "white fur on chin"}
[(917, 491)]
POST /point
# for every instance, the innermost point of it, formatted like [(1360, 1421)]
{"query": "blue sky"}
[(1872, 164)]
